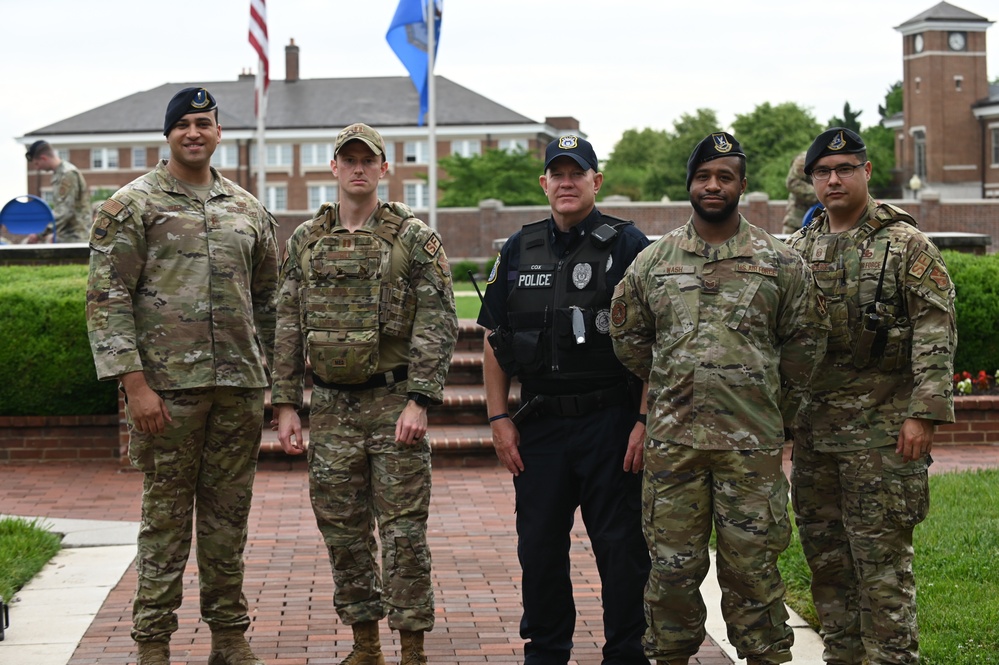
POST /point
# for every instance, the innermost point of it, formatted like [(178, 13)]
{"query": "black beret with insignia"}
[(833, 141), (713, 146), (578, 149), (188, 100)]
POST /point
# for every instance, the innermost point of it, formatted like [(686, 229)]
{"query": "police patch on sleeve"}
[(494, 271)]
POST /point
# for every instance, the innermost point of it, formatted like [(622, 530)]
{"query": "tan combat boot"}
[(229, 647), (154, 653), (412, 648), (367, 645)]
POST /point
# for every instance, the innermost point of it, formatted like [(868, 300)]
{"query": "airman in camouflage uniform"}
[(180, 309), (800, 194), (723, 321), (70, 198), (366, 297), (859, 480)]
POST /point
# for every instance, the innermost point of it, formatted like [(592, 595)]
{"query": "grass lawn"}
[(468, 306), (956, 567), (24, 549)]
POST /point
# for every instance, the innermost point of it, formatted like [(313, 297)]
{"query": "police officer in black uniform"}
[(577, 438)]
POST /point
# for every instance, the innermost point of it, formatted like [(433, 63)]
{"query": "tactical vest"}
[(559, 314), (347, 300), (876, 332)]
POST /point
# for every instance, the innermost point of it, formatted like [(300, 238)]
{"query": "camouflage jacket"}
[(182, 289), (800, 193), (70, 204), (727, 337), (864, 408), (418, 263)]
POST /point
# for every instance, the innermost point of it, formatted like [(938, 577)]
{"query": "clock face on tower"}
[(956, 41), (917, 43)]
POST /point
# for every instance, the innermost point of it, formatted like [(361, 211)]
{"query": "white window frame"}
[(279, 156), (415, 194), (63, 154), (466, 147), (383, 191), (513, 145), (141, 151), (994, 132), (226, 156), (318, 193), (416, 152), (276, 198), (104, 159), (164, 152), (390, 153), (316, 156)]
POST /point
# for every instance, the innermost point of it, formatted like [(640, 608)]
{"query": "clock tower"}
[(944, 76)]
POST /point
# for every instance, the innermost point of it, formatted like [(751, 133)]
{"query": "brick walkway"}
[(288, 579)]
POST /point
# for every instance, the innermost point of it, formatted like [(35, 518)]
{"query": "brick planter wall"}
[(977, 421), (48, 438)]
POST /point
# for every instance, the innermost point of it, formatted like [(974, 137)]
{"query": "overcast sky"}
[(613, 65)]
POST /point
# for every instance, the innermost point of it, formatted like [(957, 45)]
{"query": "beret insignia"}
[(721, 143)]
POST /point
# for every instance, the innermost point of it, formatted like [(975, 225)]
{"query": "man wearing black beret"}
[(180, 311), (722, 320), (861, 447)]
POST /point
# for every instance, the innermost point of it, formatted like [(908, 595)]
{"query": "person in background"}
[(70, 198)]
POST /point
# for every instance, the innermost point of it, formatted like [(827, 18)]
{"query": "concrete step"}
[(445, 441)]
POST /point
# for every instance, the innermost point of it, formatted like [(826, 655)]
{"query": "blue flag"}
[(407, 35)]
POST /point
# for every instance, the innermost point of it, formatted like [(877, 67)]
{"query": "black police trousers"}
[(569, 463)]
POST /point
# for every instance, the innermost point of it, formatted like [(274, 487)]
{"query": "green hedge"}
[(976, 280), (45, 362)]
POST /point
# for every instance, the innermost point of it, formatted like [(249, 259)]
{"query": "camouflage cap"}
[(712, 146), (188, 100), (833, 141), (580, 150), (360, 132)]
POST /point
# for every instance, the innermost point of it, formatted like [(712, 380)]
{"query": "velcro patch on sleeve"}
[(112, 207), (923, 263), (432, 246)]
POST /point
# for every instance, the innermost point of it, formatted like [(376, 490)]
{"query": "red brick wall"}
[(977, 421), (48, 438)]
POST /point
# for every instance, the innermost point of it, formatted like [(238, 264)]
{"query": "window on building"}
[(383, 191), (995, 146), (47, 195), (466, 147), (316, 154), (390, 153), (278, 155), (320, 194), (415, 194), (226, 156), (103, 159), (138, 158), (277, 198), (63, 154), (919, 148), (164, 152), (416, 152), (513, 145)]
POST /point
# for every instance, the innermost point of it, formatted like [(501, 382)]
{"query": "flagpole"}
[(261, 147), (432, 114)]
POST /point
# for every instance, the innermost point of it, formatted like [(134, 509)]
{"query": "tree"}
[(771, 137), (893, 101), (510, 177), (649, 164), (849, 119)]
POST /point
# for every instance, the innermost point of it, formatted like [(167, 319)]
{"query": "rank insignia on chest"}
[(710, 286)]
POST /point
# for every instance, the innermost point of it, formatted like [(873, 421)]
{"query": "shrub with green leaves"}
[(45, 362), (976, 281)]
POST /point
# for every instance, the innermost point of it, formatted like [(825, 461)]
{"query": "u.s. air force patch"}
[(619, 313), (494, 271)]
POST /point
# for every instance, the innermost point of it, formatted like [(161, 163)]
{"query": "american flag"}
[(258, 38)]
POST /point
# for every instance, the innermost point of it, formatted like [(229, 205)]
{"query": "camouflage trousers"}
[(199, 471), (856, 512), (359, 477), (744, 494)]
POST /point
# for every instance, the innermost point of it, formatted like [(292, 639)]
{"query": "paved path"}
[(288, 579)]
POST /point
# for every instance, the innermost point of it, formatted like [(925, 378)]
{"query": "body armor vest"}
[(847, 269), (559, 313), (347, 300)]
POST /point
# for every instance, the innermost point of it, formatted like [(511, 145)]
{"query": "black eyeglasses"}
[(843, 171)]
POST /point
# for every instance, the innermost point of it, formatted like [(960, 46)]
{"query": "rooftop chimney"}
[(291, 62)]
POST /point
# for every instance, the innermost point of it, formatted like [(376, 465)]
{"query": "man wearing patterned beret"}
[(180, 310), (861, 448)]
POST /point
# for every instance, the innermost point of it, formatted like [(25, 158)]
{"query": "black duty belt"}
[(377, 381), (573, 406)]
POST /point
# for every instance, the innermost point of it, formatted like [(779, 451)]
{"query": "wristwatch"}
[(419, 398)]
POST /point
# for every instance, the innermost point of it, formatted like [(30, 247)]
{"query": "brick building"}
[(115, 143), (948, 132)]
